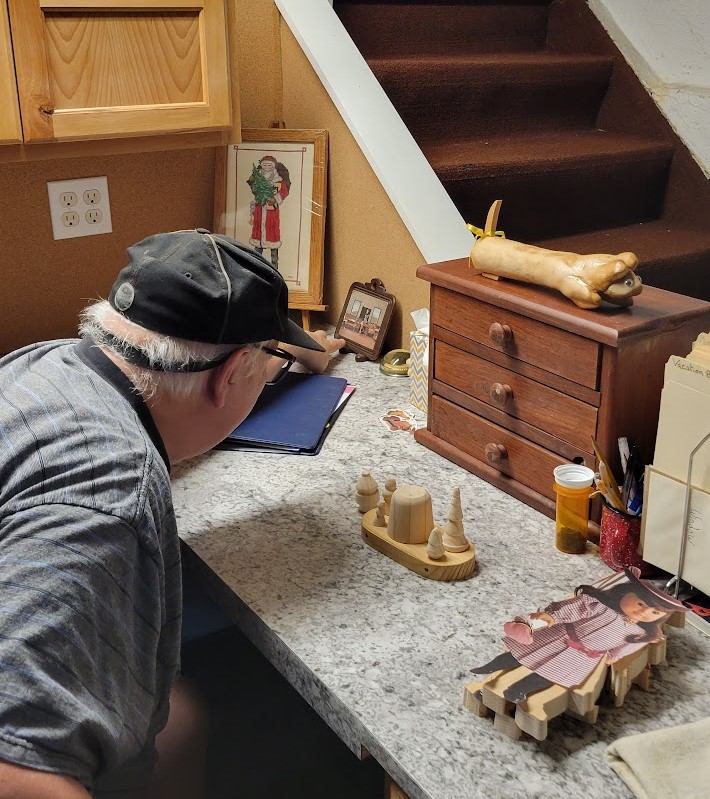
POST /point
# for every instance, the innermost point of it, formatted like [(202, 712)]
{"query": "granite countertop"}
[(382, 654)]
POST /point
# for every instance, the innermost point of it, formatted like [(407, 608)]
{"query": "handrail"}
[(432, 219)]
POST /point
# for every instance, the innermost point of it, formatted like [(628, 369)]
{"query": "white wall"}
[(667, 43)]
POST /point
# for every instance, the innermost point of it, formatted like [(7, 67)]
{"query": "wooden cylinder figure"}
[(410, 518), (367, 494), (454, 539)]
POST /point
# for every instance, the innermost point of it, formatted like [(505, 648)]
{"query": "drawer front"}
[(510, 454), (551, 411), (546, 347)]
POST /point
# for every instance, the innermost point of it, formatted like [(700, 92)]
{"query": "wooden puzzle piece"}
[(532, 715)]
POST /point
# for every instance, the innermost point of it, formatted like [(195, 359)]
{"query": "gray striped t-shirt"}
[(89, 564)]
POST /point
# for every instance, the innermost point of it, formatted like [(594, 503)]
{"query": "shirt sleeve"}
[(574, 609), (81, 605)]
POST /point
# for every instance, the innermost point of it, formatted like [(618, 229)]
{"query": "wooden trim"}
[(10, 126), (123, 5), (215, 63), (220, 190), (80, 124), (32, 69), (11, 153)]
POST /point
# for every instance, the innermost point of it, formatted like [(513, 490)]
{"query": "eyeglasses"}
[(288, 360)]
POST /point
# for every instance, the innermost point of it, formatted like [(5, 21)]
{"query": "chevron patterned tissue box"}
[(418, 369)]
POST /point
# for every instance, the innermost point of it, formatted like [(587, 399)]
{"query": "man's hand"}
[(312, 360)]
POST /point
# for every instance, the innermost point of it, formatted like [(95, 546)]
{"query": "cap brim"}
[(297, 336)]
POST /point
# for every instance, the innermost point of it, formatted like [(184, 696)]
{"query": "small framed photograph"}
[(365, 318), (275, 201)]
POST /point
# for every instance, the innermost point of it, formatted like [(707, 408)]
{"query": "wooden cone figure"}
[(380, 520), (454, 539), (435, 548), (367, 494)]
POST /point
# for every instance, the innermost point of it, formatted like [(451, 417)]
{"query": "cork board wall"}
[(45, 283)]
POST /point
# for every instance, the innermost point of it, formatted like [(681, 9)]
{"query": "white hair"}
[(113, 332)]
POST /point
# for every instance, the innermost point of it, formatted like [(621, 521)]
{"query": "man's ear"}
[(222, 378)]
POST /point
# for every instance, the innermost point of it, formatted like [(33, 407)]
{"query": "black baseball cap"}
[(206, 287)]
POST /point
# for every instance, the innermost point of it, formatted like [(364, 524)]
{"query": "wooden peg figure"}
[(367, 494), (390, 488), (380, 520), (435, 547), (454, 539)]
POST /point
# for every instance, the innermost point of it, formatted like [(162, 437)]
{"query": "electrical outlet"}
[(79, 207)]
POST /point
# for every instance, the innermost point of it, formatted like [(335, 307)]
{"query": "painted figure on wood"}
[(575, 634)]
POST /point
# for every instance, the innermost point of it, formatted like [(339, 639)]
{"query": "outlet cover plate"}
[(79, 207)]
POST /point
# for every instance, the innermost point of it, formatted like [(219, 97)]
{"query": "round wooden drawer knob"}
[(496, 453), (500, 393), (500, 334)]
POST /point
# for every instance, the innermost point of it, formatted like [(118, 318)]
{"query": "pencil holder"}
[(619, 536), (573, 485)]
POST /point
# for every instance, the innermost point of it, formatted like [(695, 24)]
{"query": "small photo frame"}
[(275, 202), (365, 318)]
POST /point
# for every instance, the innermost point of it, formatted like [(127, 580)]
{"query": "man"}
[(90, 590)]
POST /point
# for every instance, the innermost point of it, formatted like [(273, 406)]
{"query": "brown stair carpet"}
[(530, 102)]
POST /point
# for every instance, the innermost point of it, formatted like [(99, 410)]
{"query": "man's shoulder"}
[(31, 353)]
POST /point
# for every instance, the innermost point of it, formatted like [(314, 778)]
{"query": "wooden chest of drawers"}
[(520, 379)]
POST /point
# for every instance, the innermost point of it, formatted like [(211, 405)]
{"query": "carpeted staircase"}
[(529, 101)]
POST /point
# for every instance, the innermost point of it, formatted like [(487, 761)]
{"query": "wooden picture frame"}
[(275, 194), (365, 318)]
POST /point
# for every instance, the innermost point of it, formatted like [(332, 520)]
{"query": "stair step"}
[(670, 256), (381, 29), (446, 99), (556, 183)]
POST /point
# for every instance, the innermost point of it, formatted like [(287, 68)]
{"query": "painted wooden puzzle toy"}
[(559, 659), (401, 526), (585, 279)]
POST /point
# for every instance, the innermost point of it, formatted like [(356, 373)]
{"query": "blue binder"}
[(293, 416)]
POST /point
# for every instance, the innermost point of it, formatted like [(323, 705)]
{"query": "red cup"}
[(619, 538)]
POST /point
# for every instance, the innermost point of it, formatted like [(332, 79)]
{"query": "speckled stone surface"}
[(382, 654)]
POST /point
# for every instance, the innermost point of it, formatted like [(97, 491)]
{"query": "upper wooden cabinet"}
[(95, 69), (10, 129)]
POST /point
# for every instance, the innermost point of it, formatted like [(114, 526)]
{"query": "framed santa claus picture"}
[(275, 201)]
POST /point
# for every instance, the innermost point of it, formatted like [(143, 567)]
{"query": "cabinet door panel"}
[(122, 68), (10, 128)]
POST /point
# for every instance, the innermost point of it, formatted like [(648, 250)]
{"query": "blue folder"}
[(293, 416)]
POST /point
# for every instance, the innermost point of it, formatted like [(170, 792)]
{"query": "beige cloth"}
[(671, 763)]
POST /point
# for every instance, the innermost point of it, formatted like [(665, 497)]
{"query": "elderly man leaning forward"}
[(90, 593)]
